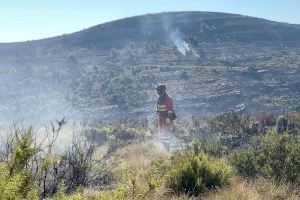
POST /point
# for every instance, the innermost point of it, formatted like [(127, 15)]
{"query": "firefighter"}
[(164, 108)]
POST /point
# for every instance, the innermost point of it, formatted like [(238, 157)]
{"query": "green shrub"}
[(245, 162), (16, 181), (62, 194), (19, 185), (290, 123), (23, 151), (277, 155), (194, 174)]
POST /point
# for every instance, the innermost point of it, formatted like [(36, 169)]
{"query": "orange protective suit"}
[(165, 111)]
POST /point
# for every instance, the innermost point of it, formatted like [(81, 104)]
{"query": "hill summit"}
[(211, 62)]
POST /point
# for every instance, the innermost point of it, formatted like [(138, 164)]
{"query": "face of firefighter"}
[(159, 92)]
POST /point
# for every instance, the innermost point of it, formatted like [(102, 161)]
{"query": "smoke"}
[(169, 32), (176, 38), (43, 135), (34, 93), (174, 35)]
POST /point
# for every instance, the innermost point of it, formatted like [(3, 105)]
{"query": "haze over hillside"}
[(211, 63)]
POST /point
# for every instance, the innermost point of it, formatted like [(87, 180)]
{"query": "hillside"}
[(211, 62)]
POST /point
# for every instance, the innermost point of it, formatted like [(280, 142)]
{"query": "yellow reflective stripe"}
[(162, 108)]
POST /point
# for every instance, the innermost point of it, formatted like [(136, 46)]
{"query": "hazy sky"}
[(33, 19)]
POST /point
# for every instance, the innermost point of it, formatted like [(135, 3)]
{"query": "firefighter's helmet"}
[(161, 88)]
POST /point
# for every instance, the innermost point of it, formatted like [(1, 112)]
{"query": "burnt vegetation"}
[(216, 62)]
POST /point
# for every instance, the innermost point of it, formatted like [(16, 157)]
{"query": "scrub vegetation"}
[(232, 156)]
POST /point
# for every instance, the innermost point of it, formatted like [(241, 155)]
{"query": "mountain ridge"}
[(173, 15), (212, 63), (146, 15)]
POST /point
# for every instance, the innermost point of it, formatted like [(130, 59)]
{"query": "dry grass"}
[(258, 189), (141, 155)]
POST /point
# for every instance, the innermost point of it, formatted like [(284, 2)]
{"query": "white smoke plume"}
[(173, 34), (182, 46), (43, 135)]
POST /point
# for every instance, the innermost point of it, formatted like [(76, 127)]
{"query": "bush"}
[(19, 185), (62, 194), (16, 181), (194, 174), (290, 123), (277, 155)]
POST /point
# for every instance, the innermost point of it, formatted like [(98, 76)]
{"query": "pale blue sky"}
[(34, 19)]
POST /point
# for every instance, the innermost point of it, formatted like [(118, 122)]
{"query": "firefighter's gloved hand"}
[(168, 121)]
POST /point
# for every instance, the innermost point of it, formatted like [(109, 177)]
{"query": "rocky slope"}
[(211, 62)]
